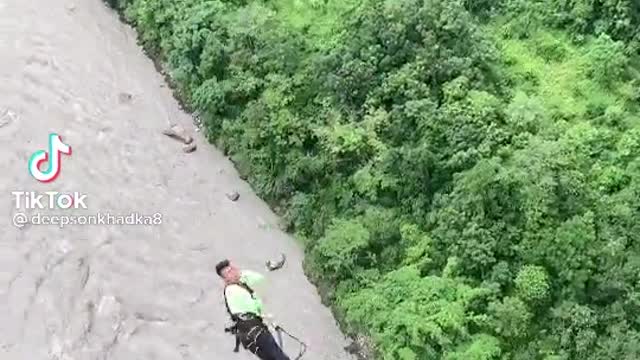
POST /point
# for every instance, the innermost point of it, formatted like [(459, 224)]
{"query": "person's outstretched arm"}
[(251, 278)]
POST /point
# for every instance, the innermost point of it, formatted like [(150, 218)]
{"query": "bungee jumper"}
[(245, 310)]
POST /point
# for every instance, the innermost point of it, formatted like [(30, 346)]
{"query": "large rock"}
[(189, 148), (233, 196), (177, 132)]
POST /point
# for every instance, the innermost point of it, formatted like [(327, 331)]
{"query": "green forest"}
[(464, 174)]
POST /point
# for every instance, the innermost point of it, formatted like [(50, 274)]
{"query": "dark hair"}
[(221, 265)]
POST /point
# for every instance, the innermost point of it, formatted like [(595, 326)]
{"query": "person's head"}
[(227, 271)]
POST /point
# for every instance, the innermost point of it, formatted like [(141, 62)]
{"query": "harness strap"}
[(234, 317), (303, 346)]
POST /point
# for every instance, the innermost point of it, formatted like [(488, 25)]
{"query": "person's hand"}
[(251, 278)]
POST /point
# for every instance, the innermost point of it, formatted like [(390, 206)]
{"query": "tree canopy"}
[(465, 175)]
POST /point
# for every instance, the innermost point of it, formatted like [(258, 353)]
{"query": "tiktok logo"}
[(56, 148)]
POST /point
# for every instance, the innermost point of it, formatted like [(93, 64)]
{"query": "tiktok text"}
[(53, 200)]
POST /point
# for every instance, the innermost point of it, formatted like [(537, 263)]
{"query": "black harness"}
[(240, 319), (236, 317)]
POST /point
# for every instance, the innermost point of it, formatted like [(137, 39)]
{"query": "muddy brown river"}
[(110, 290)]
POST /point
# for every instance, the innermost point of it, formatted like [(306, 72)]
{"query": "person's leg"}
[(268, 348), (258, 340)]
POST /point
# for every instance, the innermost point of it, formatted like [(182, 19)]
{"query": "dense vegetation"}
[(465, 174)]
